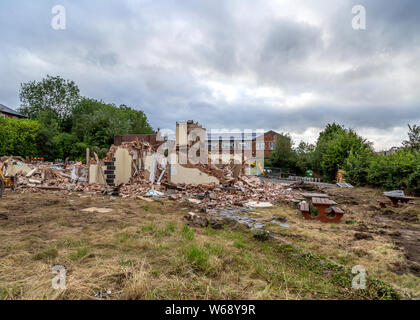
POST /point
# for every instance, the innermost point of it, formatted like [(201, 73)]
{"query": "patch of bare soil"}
[(400, 224)]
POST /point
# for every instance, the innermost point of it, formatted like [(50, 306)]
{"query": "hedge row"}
[(19, 137)]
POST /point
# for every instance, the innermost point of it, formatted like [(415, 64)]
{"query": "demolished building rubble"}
[(133, 168)]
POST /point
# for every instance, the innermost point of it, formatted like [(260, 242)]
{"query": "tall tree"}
[(304, 156), (284, 156), (413, 141), (321, 146), (54, 95), (96, 123), (338, 150)]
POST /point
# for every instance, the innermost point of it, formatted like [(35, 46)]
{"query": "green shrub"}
[(19, 137)]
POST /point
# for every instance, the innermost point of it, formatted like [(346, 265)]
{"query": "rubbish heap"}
[(230, 192)]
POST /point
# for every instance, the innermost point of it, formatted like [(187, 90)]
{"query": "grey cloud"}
[(158, 56)]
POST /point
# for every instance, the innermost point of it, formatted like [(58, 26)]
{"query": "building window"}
[(226, 146), (213, 145), (272, 145), (243, 146), (260, 145)]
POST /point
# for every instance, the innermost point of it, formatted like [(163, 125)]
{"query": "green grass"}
[(47, 254), (178, 262), (239, 244), (198, 257), (151, 227), (170, 227), (78, 254), (187, 233)]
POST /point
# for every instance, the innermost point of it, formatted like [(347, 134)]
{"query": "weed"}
[(170, 227), (187, 233), (197, 257), (49, 253), (3, 293), (78, 254), (239, 244)]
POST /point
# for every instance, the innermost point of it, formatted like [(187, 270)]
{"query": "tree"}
[(357, 166), (324, 138), (283, 155), (304, 154), (96, 123), (413, 141), (338, 149), (137, 120), (400, 170), (54, 95)]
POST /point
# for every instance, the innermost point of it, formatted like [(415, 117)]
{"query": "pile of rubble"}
[(34, 176), (235, 192)]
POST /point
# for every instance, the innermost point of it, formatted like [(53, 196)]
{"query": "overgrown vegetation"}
[(19, 137), (152, 254), (341, 148), (63, 123)]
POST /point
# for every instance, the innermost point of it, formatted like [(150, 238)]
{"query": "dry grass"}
[(336, 241), (143, 250)]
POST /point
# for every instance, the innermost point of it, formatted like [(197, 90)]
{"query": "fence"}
[(282, 174)]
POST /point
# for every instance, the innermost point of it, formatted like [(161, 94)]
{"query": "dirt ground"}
[(144, 250), (386, 241)]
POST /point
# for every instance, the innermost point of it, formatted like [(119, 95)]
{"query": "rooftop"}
[(7, 110)]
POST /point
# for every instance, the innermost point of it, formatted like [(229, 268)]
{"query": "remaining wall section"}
[(180, 174)]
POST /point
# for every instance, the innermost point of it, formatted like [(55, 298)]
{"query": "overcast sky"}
[(288, 65)]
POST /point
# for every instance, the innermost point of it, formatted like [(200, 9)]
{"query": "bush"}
[(19, 137), (339, 148), (357, 166), (400, 170)]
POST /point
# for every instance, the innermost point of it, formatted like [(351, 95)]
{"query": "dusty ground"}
[(386, 241), (144, 250)]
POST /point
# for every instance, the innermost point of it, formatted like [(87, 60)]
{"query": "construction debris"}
[(344, 185), (139, 170), (100, 210), (154, 193), (245, 191)]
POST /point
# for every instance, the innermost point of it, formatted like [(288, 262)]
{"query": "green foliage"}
[(19, 137), (54, 94), (78, 254), (325, 137), (67, 145), (337, 150), (96, 123), (341, 148), (357, 166), (284, 156), (48, 253), (400, 170), (413, 141), (187, 233), (197, 257), (304, 157), (66, 124)]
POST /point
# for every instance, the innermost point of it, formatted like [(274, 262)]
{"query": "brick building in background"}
[(243, 141), (225, 142), (6, 112)]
